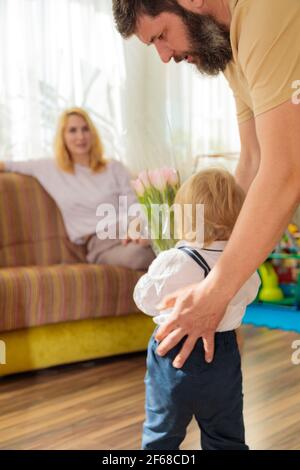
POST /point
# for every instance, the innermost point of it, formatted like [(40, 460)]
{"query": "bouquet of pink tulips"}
[(156, 190)]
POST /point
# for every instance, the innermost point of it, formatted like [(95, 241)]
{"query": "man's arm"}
[(247, 168), (272, 198), (268, 208), (250, 155)]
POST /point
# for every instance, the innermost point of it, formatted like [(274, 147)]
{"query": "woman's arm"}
[(26, 167)]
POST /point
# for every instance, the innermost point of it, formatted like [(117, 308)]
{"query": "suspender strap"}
[(197, 258)]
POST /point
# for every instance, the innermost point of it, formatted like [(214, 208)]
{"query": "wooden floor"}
[(100, 405)]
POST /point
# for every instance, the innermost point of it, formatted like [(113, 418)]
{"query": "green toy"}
[(270, 290), (280, 275)]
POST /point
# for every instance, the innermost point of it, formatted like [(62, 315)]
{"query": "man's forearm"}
[(258, 229), (250, 156), (246, 171)]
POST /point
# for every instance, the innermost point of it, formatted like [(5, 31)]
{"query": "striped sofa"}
[(55, 308)]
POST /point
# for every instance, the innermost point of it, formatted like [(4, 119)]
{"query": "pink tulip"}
[(138, 187), (157, 179), (171, 176), (143, 176)]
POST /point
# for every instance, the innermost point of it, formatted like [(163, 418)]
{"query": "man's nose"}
[(164, 52)]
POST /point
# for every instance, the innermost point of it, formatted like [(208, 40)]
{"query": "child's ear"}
[(195, 6)]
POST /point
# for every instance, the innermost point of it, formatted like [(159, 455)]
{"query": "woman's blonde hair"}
[(222, 198), (62, 155)]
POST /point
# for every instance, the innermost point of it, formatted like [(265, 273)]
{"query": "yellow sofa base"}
[(64, 343)]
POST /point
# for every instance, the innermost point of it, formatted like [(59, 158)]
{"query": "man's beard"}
[(210, 43)]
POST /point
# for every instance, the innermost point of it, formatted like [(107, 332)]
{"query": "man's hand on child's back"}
[(197, 314)]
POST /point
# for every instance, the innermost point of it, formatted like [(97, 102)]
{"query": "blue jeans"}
[(210, 392)]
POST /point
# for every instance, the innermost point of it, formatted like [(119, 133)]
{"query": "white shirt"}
[(78, 195), (173, 269)]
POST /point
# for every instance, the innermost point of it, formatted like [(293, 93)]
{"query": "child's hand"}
[(138, 241), (134, 234)]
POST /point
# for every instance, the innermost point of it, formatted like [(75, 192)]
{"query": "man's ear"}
[(195, 6)]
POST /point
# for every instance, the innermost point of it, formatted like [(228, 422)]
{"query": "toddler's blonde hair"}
[(222, 198)]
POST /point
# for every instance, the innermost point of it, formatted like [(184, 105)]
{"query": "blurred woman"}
[(80, 179)]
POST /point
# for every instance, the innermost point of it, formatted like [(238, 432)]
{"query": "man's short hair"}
[(127, 12)]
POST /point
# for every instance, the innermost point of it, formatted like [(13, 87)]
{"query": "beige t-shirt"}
[(265, 38)]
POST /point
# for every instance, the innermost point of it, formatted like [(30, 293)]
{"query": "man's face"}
[(198, 39)]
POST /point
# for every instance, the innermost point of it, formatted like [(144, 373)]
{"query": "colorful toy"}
[(290, 241), (297, 293), (270, 290), (280, 274)]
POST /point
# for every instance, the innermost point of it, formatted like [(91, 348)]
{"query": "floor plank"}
[(100, 404)]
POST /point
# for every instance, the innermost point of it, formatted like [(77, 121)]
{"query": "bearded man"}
[(255, 43)]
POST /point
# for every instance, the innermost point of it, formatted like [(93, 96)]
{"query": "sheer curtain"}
[(56, 54), (61, 53)]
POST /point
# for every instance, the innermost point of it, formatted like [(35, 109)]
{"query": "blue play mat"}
[(273, 316)]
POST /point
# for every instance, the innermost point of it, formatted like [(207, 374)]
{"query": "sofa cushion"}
[(32, 231), (32, 296)]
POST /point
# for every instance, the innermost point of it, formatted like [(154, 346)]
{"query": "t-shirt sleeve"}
[(26, 167), (243, 110), (269, 51), (244, 113)]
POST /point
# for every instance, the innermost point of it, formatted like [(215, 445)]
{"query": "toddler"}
[(210, 392)]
